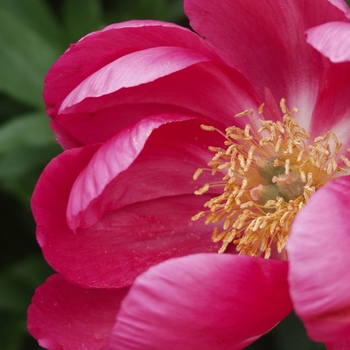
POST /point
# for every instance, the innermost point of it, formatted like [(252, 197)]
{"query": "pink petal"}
[(125, 242), (131, 70), (342, 5), (56, 182), (65, 138), (265, 41), (203, 301), (65, 316), (319, 275), (97, 49), (342, 345), (205, 89), (107, 122), (120, 174), (332, 40), (332, 109)]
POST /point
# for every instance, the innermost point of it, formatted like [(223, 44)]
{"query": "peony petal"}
[(203, 301), (342, 5), (53, 187), (332, 109), (125, 242), (342, 345), (332, 40), (107, 122), (94, 51), (319, 275), (134, 69), (127, 170), (265, 41), (65, 316), (205, 89)]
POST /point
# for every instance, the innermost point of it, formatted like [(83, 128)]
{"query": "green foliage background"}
[(33, 33)]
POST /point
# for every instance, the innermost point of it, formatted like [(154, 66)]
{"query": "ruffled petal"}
[(332, 40), (65, 316), (318, 250), (203, 301), (148, 229), (265, 41)]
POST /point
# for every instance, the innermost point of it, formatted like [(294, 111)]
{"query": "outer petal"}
[(342, 345), (204, 89), (134, 69), (319, 274), (153, 224), (332, 40), (204, 301), (65, 316), (122, 40), (265, 41), (102, 47)]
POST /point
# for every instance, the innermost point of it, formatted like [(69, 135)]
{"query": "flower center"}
[(269, 173)]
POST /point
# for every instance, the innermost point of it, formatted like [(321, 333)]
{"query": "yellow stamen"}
[(268, 173)]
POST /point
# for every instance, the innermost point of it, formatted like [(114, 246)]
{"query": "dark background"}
[(33, 33)]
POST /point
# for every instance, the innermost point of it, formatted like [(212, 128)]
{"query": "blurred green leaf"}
[(21, 166), (18, 283), (31, 129), (290, 334), (17, 237), (10, 107), (165, 10), (154, 9), (37, 15), (24, 60), (81, 17), (12, 330), (20, 280)]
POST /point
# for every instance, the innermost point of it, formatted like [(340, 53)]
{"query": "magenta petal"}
[(319, 275), (65, 316), (332, 109), (342, 5), (212, 91), (341, 345), (148, 229), (114, 157), (56, 182), (265, 41), (204, 301), (132, 70), (332, 40), (95, 50)]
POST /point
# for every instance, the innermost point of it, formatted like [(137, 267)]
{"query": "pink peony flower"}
[(146, 112)]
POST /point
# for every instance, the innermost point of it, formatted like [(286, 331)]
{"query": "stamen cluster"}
[(269, 173)]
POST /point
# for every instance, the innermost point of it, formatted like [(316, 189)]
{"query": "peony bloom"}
[(252, 116)]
